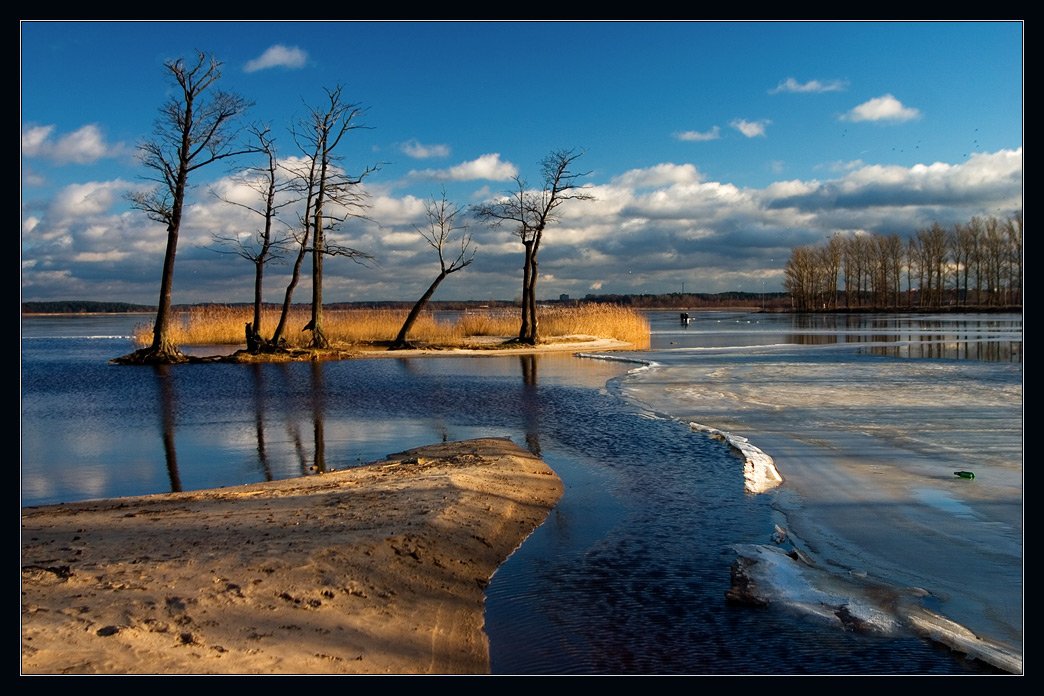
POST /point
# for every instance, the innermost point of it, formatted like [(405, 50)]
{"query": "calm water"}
[(626, 576)]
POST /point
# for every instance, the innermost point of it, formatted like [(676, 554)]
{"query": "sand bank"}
[(376, 569)]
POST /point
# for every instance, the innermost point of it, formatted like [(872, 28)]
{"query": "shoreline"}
[(375, 569)]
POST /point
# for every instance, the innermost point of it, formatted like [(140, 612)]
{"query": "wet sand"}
[(375, 569)]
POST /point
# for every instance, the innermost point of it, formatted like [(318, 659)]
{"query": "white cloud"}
[(751, 129), (488, 166), (417, 150), (713, 134), (993, 181), (389, 210), (83, 146), (886, 108), (792, 85), (33, 139), (85, 200), (660, 175), (278, 56)]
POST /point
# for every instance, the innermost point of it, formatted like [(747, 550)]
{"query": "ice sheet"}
[(867, 445)]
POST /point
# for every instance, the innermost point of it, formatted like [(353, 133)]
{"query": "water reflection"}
[(318, 416), (260, 406), (168, 407), (913, 336), (258, 415), (983, 337), (530, 407)]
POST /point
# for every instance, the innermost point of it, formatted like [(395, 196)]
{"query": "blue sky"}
[(713, 148)]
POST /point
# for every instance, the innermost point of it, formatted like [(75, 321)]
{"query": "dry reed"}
[(223, 325)]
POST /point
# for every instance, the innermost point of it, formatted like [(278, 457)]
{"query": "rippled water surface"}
[(626, 576)]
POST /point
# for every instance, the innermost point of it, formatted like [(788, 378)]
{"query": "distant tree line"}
[(83, 307), (975, 264)]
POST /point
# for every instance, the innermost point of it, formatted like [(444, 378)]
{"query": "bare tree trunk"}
[(259, 275), (316, 324), (295, 276), (527, 271), (162, 344), (531, 338), (400, 341), (318, 337)]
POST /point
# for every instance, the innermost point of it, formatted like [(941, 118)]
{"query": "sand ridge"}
[(375, 569)]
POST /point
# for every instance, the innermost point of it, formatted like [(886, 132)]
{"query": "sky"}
[(711, 149)]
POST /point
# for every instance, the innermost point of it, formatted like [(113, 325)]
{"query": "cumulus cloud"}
[(792, 85), (278, 56), (82, 146), (86, 200), (751, 129), (488, 166), (713, 134), (658, 176), (646, 231), (984, 178), (886, 108), (413, 148)]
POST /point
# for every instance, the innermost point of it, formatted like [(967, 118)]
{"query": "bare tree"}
[(1013, 228), (800, 278), (302, 236), (995, 254), (895, 256), (265, 244), (976, 233), (530, 212), (195, 128), (959, 240), (330, 197), (832, 254), (439, 234)]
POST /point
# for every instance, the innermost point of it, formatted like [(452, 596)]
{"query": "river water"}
[(629, 572)]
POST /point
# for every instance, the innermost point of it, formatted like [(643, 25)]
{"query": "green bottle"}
[(964, 474)]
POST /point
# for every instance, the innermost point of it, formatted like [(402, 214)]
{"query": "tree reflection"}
[(168, 406), (530, 403), (318, 417), (257, 373)]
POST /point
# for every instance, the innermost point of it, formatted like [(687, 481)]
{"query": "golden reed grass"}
[(223, 325)]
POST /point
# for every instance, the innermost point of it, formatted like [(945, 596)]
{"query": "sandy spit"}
[(375, 569)]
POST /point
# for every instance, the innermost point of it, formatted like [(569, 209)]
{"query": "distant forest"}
[(84, 307), (973, 265)]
